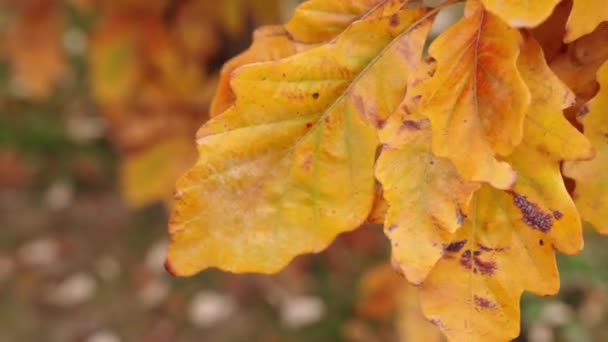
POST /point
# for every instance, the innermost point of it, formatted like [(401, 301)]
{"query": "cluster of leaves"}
[(152, 67), (153, 72), (461, 150)]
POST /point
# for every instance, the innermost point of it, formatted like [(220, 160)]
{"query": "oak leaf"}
[(427, 198), (314, 22), (591, 191), (507, 244), (476, 101), (290, 165)]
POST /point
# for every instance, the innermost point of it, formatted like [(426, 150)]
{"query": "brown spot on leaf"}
[(315, 96), (460, 216), (533, 216), (411, 125), (558, 215), (484, 247), (307, 163), (541, 242), (472, 261), (394, 20), (484, 303), (455, 247), (309, 124), (437, 322)]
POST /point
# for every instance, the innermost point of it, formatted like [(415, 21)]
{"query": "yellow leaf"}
[(149, 176), (549, 140), (591, 191), (507, 245), (290, 165), (578, 66), (313, 22), (586, 15), (428, 200), (270, 43), (521, 13), (473, 292), (411, 323), (321, 20), (476, 100)]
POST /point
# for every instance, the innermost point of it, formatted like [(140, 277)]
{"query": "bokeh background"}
[(99, 104)]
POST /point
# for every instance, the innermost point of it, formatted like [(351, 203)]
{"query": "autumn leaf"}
[(34, 47), (476, 101), (290, 165), (521, 13), (507, 244), (270, 43), (314, 22), (428, 200), (491, 260), (591, 191), (584, 18), (579, 64), (586, 15)]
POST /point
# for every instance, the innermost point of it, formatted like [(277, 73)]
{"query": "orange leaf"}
[(591, 191), (476, 100)]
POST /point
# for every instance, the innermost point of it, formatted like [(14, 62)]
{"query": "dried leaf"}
[(290, 165), (476, 100), (591, 191)]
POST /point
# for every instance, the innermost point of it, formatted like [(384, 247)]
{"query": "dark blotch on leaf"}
[(460, 216), (557, 215), (472, 261), (533, 216), (455, 247), (315, 96), (394, 20), (484, 303)]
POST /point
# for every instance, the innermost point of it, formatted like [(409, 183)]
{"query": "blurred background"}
[(99, 104)]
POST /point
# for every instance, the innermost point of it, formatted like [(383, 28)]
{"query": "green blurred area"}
[(76, 263)]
